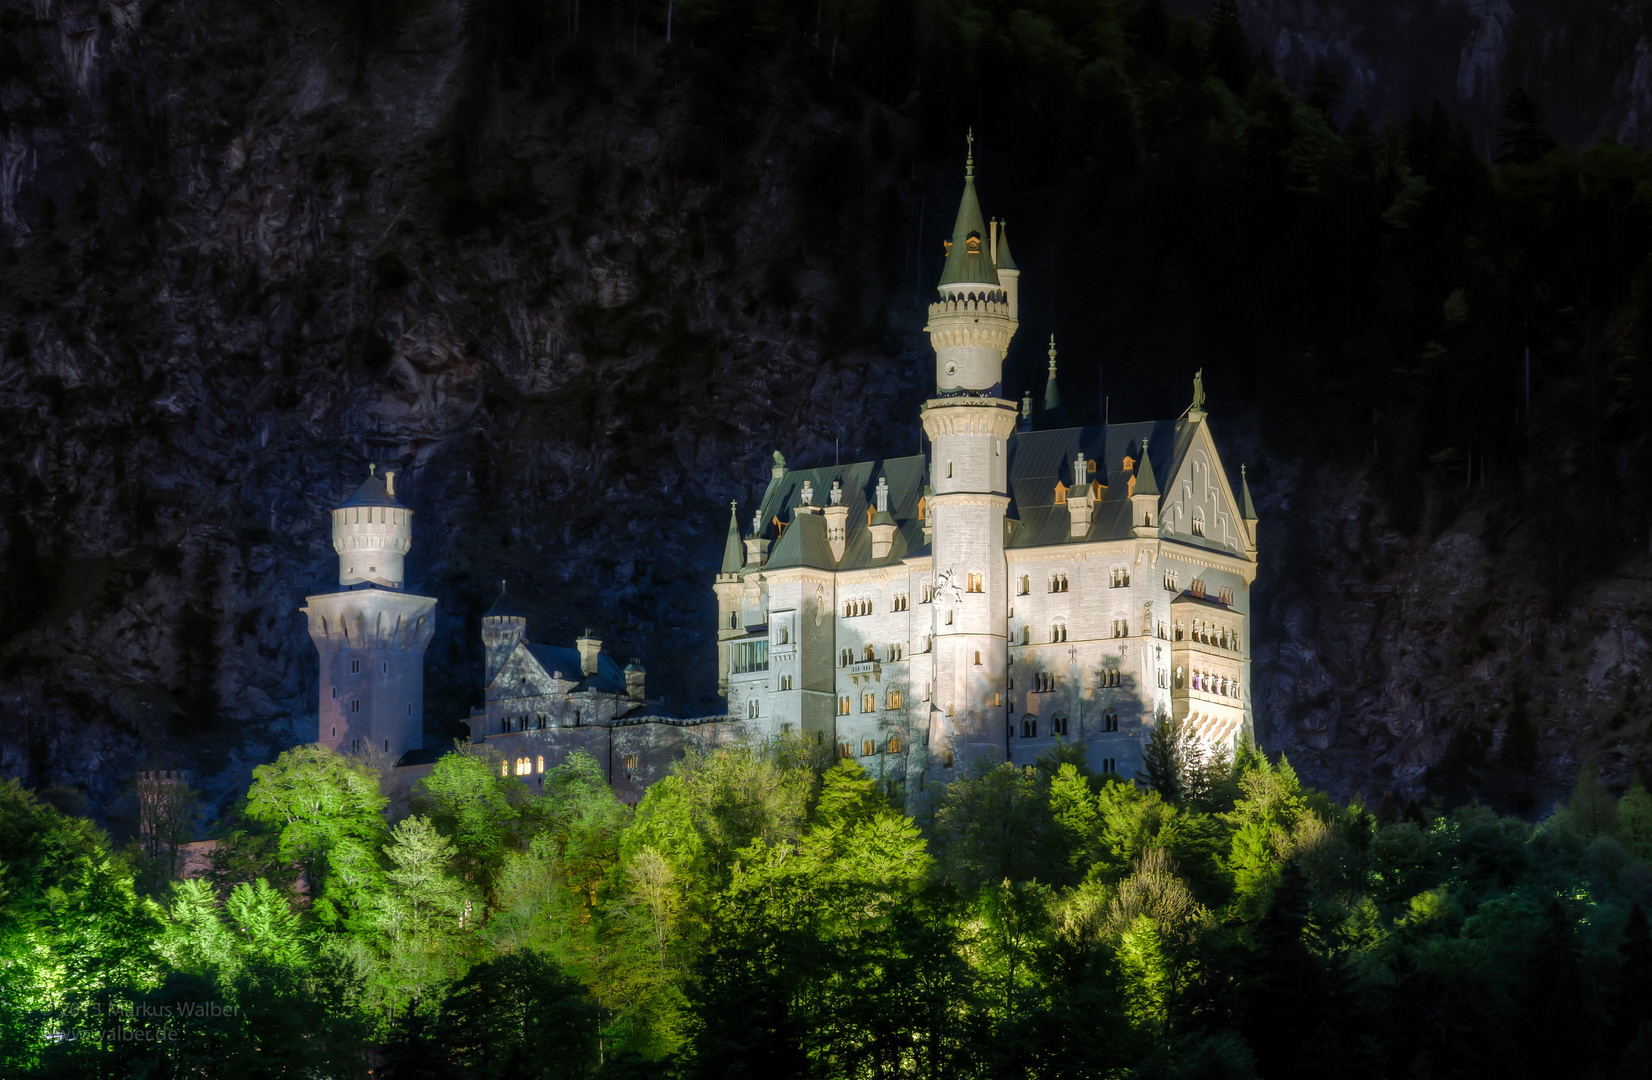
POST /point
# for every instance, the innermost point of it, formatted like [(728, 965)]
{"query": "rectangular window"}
[(1225, 594), (1198, 588), (747, 656), (335, 693), (355, 705), (409, 708), (355, 667)]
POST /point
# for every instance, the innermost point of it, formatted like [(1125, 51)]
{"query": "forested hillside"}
[(761, 915), (577, 270)]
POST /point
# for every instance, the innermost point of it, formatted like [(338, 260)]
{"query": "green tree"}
[(329, 810), (517, 1016), (425, 917)]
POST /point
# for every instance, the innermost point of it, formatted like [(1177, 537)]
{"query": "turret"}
[(1009, 274), (1080, 503), (371, 641), (971, 325), (590, 647), (372, 534), (504, 627), (1144, 497)]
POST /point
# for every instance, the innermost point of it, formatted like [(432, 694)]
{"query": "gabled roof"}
[(372, 492), (803, 542), (609, 677), (1037, 459)]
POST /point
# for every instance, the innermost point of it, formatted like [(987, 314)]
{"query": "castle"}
[(1010, 588)]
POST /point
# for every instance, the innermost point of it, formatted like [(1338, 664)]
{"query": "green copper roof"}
[(733, 555), (1146, 482), (1244, 486), (1005, 260), (964, 267)]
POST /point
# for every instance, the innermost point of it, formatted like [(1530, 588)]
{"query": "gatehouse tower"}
[(371, 634)]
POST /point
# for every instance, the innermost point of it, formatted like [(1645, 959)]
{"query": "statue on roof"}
[(779, 460), (1199, 391)]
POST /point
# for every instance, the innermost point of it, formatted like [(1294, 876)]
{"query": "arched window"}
[(895, 699), (1058, 724), (1109, 765), (1029, 726), (843, 749), (866, 748), (1063, 582), (866, 655), (1026, 585), (894, 744), (1026, 635), (977, 657), (1110, 720), (869, 703), (1179, 677)]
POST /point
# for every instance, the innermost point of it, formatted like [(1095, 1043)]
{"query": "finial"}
[(1241, 471), (371, 468), (1052, 354), (969, 155)]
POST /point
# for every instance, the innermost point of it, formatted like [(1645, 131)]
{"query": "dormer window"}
[(972, 244)]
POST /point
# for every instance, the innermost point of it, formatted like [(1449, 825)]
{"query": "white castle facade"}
[(1010, 588)]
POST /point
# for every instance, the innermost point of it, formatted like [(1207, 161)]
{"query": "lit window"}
[(539, 763), (894, 744)]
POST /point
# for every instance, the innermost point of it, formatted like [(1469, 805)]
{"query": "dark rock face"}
[(234, 296), (1588, 65), (246, 249)]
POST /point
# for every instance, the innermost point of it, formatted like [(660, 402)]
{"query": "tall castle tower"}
[(371, 635), (969, 424)]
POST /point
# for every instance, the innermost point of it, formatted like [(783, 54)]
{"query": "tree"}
[(328, 808), (424, 916), (1635, 821), (1591, 810), (1522, 140), (464, 796), (517, 1016)]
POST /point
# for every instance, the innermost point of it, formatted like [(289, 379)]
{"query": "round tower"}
[(969, 424), (371, 636), (504, 627)]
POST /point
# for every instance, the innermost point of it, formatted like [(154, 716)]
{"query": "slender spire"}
[(1146, 482), (968, 262), (733, 557), (1054, 414), (1244, 487), (1005, 260)]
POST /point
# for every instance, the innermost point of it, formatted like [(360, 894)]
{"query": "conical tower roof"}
[(1005, 260), (504, 607), (968, 262), (372, 492), (1146, 482), (733, 558)]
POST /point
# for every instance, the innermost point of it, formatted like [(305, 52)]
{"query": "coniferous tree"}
[(1226, 50), (1522, 140)]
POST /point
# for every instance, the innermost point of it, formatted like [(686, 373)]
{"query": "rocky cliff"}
[(1588, 65), (576, 282)]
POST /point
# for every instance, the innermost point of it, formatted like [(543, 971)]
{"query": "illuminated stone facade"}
[(1008, 588)]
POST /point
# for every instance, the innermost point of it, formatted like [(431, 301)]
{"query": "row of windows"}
[(1208, 683), (355, 669), (868, 747), (1109, 677), (868, 654), (522, 722), (1204, 633), (1029, 726), (357, 745), (869, 702), (522, 766)]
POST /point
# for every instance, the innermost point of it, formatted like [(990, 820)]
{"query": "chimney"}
[(634, 675), (589, 646), (390, 482)]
